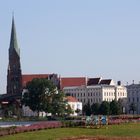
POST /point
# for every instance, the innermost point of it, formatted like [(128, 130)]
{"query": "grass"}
[(126, 130)]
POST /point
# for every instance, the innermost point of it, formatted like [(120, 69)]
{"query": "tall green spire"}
[(14, 75), (13, 40)]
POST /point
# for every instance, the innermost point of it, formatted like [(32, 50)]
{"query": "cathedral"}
[(16, 81), (14, 76)]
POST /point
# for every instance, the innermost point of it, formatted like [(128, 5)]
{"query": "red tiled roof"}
[(71, 99), (72, 81), (29, 77)]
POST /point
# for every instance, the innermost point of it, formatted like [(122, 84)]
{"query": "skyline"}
[(73, 38)]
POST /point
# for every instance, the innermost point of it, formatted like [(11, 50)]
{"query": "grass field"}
[(127, 130)]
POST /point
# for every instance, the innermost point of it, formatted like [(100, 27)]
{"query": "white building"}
[(75, 105), (27, 112), (104, 90), (133, 92)]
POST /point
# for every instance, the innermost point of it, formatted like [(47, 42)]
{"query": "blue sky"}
[(73, 37)]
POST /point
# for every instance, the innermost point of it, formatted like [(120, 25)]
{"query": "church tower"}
[(14, 76)]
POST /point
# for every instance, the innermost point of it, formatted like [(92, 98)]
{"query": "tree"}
[(58, 104), (42, 95), (69, 110), (95, 108), (104, 108), (87, 109), (115, 108), (77, 110), (132, 107)]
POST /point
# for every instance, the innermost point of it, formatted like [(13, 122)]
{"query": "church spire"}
[(14, 75), (13, 39)]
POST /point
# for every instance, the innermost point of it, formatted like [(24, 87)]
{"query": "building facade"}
[(133, 92), (75, 105), (97, 93)]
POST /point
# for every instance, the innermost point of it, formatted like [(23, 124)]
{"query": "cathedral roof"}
[(13, 40), (29, 77)]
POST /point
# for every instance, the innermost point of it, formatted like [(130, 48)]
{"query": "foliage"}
[(77, 110), (69, 110), (58, 104), (42, 95), (95, 108), (104, 108), (115, 108), (11, 110), (87, 109)]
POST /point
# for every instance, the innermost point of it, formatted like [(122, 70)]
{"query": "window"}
[(137, 99)]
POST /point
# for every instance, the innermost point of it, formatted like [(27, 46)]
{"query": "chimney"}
[(119, 83), (133, 82)]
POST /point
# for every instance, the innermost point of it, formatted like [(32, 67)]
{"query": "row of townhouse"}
[(96, 90), (100, 90)]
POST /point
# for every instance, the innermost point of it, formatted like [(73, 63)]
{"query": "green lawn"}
[(129, 130)]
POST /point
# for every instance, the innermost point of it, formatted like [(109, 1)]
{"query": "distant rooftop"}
[(72, 81), (93, 81), (71, 99), (105, 82)]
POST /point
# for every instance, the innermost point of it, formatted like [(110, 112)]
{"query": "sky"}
[(92, 38)]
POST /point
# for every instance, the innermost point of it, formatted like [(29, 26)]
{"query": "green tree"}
[(104, 108), (58, 105), (95, 108), (87, 109), (11, 109), (42, 95), (115, 108)]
